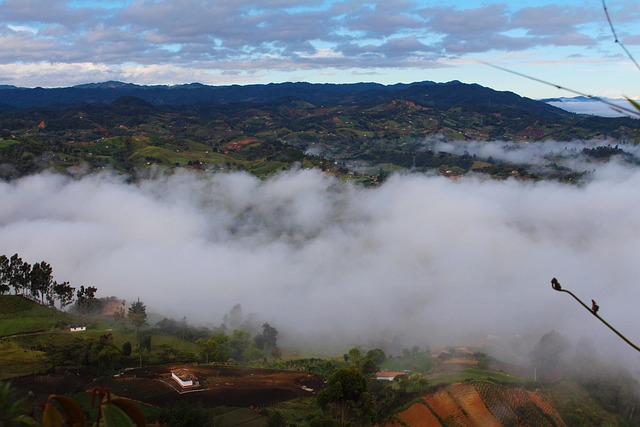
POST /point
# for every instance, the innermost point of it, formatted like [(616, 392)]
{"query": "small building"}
[(185, 378), (77, 328), (390, 375)]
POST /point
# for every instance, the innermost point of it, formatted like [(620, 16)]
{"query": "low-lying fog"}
[(420, 260)]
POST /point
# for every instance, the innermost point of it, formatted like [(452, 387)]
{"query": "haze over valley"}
[(419, 259)]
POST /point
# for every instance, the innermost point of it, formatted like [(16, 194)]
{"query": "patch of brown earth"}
[(218, 385), (480, 404)]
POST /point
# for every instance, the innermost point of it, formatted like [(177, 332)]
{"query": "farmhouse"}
[(185, 378), (390, 375), (77, 328)]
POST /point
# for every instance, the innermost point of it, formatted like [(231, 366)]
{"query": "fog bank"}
[(420, 260)]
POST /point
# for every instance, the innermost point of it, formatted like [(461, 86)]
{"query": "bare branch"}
[(593, 310), (615, 36)]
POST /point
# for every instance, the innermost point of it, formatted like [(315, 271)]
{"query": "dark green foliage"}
[(184, 414), (137, 315), (345, 397), (126, 349), (603, 152), (182, 329), (387, 126), (276, 419), (13, 411), (268, 340), (86, 301), (413, 360)]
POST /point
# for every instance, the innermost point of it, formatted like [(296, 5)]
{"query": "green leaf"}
[(71, 409), (113, 416), (634, 103), (130, 408)]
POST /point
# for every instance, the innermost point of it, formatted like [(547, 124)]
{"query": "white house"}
[(185, 378), (389, 375), (77, 328)]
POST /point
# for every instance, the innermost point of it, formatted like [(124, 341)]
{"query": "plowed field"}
[(480, 404)]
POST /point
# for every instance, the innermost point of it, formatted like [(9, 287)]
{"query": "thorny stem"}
[(556, 286)]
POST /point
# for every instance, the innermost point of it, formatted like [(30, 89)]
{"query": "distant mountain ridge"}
[(426, 93)]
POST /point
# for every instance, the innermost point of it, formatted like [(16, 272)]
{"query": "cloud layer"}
[(420, 260), (165, 41)]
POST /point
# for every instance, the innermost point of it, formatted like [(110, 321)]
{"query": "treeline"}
[(238, 339), (37, 283)]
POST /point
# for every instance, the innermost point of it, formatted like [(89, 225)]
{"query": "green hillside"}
[(20, 315), (357, 140)]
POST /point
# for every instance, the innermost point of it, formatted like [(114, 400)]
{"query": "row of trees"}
[(239, 345), (36, 282)]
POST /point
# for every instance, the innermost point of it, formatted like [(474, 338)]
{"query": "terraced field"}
[(480, 403)]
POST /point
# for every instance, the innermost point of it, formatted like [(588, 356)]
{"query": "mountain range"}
[(426, 93), (343, 128)]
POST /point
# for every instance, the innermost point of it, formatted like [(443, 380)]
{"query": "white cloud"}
[(245, 38), (419, 260)]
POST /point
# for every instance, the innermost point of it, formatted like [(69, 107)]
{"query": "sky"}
[(421, 260), (52, 43)]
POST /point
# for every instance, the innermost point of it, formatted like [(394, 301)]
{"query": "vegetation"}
[(380, 131)]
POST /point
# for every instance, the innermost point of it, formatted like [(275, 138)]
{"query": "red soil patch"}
[(480, 404), (239, 144), (417, 415), (473, 406)]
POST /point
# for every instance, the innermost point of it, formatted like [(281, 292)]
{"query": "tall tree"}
[(345, 398), (239, 343), (214, 348), (41, 281), (85, 298), (15, 263), (269, 340), (137, 315), (5, 281), (18, 273), (64, 292)]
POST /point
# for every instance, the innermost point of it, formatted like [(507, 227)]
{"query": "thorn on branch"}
[(555, 284), (594, 307)]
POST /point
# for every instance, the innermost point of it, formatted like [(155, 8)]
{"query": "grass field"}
[(7, 142), (479, 374), (20, 315), (17, 360)]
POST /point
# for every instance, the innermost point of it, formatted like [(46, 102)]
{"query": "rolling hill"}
[(350, 130)]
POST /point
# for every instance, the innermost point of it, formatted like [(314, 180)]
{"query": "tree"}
[(41, 281), (233, 320), (269, 341), (18, 273), (64, 292), (214, 348), (86, 298), (15, 263), (239, 344), (345, 398), (5, 281), (103, 355), (546, 355), (137, 315), (126, 349)]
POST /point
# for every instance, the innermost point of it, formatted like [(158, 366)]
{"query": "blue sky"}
[(65, 42)]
